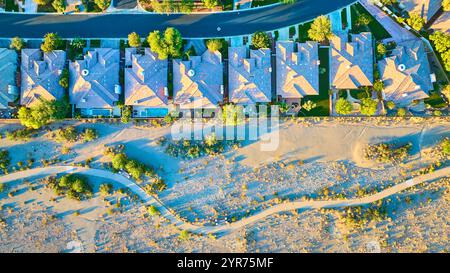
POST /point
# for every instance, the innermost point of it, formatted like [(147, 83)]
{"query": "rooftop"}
[(406, 73), (146, 80), (40, 75), (351, 60), (297, 69), (198, 82), (249, 78), (94, 81)]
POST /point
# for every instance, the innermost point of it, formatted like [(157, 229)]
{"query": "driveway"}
[(119, 25)]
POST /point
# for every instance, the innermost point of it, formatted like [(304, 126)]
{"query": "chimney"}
[(351, 49)]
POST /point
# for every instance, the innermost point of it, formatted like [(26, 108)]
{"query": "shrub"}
[(5, 160), (390, 105), (2, 187), (152, 210), (89, 134), (446, 146), (210, 3), (74, 186), (68, 134), (184, 235), (369, 106), (17, 44), (343, 106), (19, 134), (387, 153), (105, 189), (64, 79), (309, 105), (401, 112)]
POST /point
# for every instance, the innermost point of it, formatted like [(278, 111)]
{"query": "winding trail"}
[(226, 228)]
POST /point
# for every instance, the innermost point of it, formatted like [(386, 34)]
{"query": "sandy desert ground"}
[(313, 155)]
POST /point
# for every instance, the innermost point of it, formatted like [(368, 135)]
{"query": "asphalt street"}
[(119, 25)]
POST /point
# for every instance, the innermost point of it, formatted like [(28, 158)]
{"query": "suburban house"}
[(8, 69), (198, 82), (351, 60), (425, 8), (94, 82), (146, 83), (406, 73), (297, 70), (40, 76), (249, 79)]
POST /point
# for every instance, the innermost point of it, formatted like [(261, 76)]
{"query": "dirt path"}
[(226, 228)]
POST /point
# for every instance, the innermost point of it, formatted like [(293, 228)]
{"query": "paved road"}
[(222, 229), (118, 25)]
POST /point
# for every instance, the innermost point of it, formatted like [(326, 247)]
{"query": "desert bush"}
[(19, 134), (387, 153), (5, 160), (152, 210), (89, 134), (72, 186), (68, 134), (105, 189)]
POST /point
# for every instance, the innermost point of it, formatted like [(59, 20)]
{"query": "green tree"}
[(381, 49), (168, 45), (441, 41), (214, 44), (51, 42), (369, 106), (210, 4), (134, 40), (415, 21), (102, 4), (119, 161), (17, 43), (186, 6), (389, 2), (260, 39), (59, 5), (42, 2), (320, 29), (126, 114), (43, 113), (446, 92), (343, 106), (446, 5), (446, 59), (64, 79), (446, 146), (378, 86)]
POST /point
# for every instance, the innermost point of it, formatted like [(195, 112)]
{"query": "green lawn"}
[(322, 100), (258, 3), (303, 32), (435, 100), (378, 31), (10, 5), (344, 17)]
